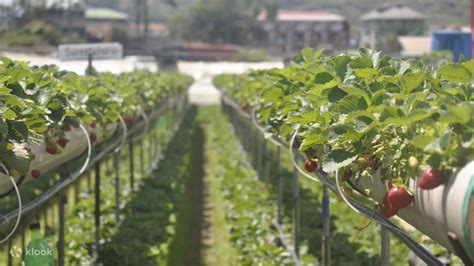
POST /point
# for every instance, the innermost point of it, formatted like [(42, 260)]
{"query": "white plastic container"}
[(45, 162), (446, 208)]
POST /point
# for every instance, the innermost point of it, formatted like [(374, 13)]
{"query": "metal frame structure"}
[(105, 154)]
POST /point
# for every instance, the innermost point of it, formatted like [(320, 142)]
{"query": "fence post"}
[(97, 207), (326, 228), (385, 246), (296, 203), (117, 185)]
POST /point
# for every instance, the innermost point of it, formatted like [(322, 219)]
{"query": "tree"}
[(221, 21)]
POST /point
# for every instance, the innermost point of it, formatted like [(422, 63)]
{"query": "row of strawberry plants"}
[(80, 205), (44, 103), (352, 236), (368, 115), (152, 217), (367, 112), (247, 200)]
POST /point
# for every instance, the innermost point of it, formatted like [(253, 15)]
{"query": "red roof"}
[(301, 15)]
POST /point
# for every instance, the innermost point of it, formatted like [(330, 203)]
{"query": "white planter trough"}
[(45, 162), (435, 212)]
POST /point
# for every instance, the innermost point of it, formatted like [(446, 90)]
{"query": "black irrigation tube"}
[(50, 193), (418, 249)]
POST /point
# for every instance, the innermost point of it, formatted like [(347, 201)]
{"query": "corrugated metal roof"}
[(392, 12), (301, 15), (105, 14)]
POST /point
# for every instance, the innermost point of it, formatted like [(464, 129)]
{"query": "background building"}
[(106, 24), (290, 31), (381, 26)]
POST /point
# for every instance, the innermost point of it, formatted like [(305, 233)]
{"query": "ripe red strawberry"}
[(310, 165), (52, 149), (388, 210), (66, 127), (429, 179), (62, 141), (93, 137), (399, 198), (35, 173), (93, 124), (386, 203)]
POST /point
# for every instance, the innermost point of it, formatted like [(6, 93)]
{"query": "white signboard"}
[(69, 52)]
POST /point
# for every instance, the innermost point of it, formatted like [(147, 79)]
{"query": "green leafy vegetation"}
[(248, 207), (33, 33), (366, 115), (152, 218), (40, 99), (366, 112)]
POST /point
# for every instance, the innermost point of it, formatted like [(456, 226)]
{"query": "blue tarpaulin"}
[(458, 42)]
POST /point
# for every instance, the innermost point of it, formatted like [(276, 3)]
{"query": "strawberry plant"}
[(44, 101), (366, 112)]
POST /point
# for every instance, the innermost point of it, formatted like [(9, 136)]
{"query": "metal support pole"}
[(296, 199), (326, 228), (45, 218), (89, 183), (23, 243), (156, 141), (97, 206), (266, 162), (255, 150), (132, 165), (385, 247), (77, 189), (150, 144), (280, 186), (62, 198), (9, 255), (117, 185), (142, 158), (259, 155)]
